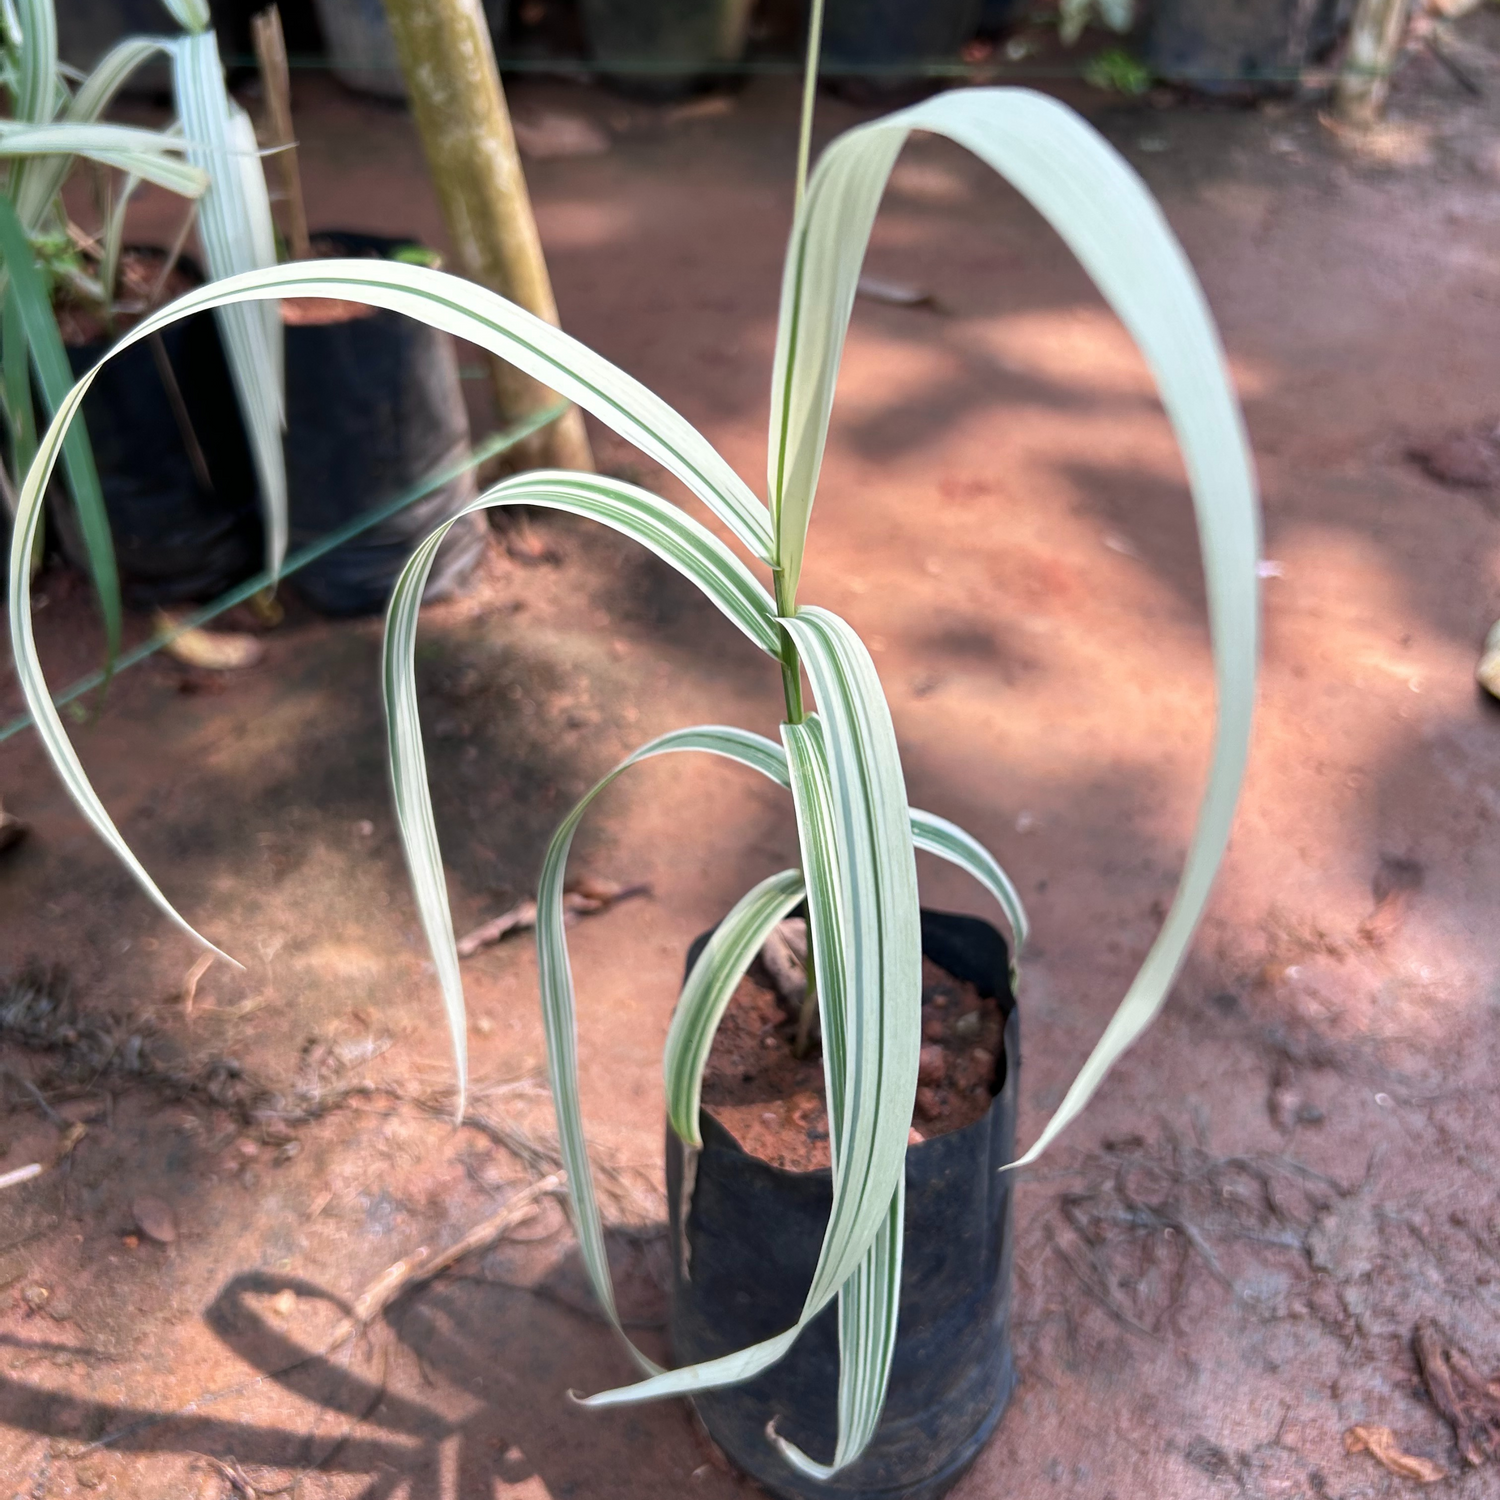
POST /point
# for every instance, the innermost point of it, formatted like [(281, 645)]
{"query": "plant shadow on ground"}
[(429, 1401)]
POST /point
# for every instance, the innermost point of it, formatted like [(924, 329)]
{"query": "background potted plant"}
[(881, 49), (838, 755), (374, 403), (1243, 48), (171, 479)]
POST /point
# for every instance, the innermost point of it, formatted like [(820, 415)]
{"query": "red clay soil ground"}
[(1220, 1268)]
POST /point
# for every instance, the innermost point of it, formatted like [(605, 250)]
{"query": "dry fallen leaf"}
[(154, 1218), (1488, 670), (70, 1138), (1380, 1443), (895, 294), (212, 651), (711, 107)]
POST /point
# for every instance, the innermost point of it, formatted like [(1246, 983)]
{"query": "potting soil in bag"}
[(374, 406)]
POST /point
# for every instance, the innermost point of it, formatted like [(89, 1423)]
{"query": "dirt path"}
[(1221, 1268)]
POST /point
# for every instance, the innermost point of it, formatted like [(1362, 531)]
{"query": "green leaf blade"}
[(192, 15), (560, 1022), (869, 1306), (873, 863), (948, 841), (235, 228), (36, 88), (537, 348), (1104, 213), (32, 315), (635, 513), (483, 318), (726, 956), (33, 684)]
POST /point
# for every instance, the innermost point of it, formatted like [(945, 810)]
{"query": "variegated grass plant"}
[(208, 156), (838, 753)]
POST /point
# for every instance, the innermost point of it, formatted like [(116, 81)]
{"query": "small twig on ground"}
[(1437, 44), (230, 1471), (416, 1269), (37, 1097), (1098, 1292), (1469, 1402), (190, 981), (586, 897)]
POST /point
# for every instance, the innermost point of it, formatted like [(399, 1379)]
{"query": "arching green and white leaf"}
[(442, 301), (935, 835), (33, 47), (236, 230), (191, 15), (1104, 213), (111, 73), (151, 154), (869, 1307), (710, 986), (675, 537), (558, 1006)]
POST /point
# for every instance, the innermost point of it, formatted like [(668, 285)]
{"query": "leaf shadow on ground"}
[(462, 1387)]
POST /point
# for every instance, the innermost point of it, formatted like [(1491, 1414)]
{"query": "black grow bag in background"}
[(751, 1243), (876, 49), (663, 49), (176, 538), (374, 405), (1240, 46)]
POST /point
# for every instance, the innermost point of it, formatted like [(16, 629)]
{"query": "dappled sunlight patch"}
[(584, 224), (1077, 348), (930, 183)]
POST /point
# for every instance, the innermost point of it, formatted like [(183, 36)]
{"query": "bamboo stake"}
[(276, 81), (461, 116), (1375, 35)]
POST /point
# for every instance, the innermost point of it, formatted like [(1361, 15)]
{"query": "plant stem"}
[(786, 601), (809, 93), (791, 663), (809, 1010)]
